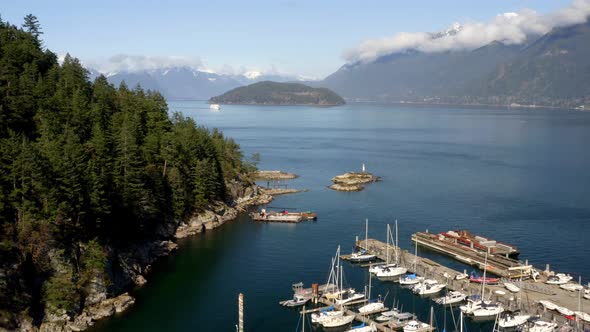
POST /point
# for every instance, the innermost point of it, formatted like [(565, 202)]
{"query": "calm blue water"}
[(518, 176)]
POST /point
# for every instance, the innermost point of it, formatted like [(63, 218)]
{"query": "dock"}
[(530, 294)]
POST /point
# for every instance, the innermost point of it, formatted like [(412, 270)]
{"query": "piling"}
[(241, 312)]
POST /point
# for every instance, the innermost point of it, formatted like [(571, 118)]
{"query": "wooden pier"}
[(531, 292)]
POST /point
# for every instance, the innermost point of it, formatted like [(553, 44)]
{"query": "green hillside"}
[(273, 93)]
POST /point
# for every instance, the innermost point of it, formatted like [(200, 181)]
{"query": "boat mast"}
[(387, 253), (367, 234), (396, 245), (461, 321), (483, 284), (416, 254)]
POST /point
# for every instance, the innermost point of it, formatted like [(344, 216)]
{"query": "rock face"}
[(274, 175), (129, 267), (352, 181)]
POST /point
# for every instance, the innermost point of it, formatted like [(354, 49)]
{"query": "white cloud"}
[(509, 28), (133, 63)]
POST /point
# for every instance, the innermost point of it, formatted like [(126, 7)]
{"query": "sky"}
[(308, 38)]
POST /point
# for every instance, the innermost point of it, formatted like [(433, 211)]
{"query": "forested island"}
[(96, 181), (274, 93)]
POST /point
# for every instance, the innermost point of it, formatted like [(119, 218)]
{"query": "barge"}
[(471, 249), (283, 216)]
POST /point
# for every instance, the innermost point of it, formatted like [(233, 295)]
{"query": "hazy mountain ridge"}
[(185, 83), (550, 70)]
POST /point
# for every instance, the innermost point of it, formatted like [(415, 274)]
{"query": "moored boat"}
[(337, 321), (513, 319), (363, 328), (297, 301), (428, 286), (559, 279), (451, 298), (272, 216), (416, 326), (535, 324), (488, 309), (325, 314), (565, 311), (548, 304), (410, 279)]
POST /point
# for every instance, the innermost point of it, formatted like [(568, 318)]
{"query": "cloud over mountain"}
[(508, 28), (135, 63)]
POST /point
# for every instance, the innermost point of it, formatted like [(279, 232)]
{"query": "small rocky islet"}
[(352, 181)]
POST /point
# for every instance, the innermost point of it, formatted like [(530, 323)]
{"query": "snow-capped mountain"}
[(454, 29), (177, 83)]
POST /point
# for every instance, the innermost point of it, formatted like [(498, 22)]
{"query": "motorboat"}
[(387, 315), (513, 319), (349, 296), (410, 279), (337, 321), (536, 324), (461, 276), (511, 287), (416, 326), (559, 279), (451, 297), (296, 301), (572, 287), (548, 305), (400, 319), (363, 328), (215, 107), (488, 309), (325, 314), (428, 286)]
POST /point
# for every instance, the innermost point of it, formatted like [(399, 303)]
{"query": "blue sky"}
[(299, 37)]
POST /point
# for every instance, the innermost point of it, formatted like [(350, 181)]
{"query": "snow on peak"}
[(252, 74)]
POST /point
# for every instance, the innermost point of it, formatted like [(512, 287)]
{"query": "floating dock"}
[(283, 217), (527, 300)]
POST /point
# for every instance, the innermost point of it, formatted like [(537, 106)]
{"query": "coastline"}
[(137, 260)]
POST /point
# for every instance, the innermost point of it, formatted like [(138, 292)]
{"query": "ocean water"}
[(517, 176)]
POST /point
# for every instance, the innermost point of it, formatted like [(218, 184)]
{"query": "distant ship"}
[(215, 107)]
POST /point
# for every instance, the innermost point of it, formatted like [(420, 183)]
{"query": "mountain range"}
[(186, 83), (547, 70)]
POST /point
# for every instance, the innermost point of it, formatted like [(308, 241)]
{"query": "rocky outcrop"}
[(274, 175), (352, 181), (129, 267)]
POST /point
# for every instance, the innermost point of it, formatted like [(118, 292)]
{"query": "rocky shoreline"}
[(136, 261), (352, 181), (274, 175)]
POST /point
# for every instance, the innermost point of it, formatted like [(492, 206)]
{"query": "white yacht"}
[(416, 326), (428, 286), (391, 273), (214, 107), (372, 307), (559, 279), (349, 296), (473, 303), (324, 315), (410, 279), (386, 315), (542, 326), (451, 297)]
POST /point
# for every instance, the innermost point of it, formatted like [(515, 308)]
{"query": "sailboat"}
[(487, 309), (362, 255), (418, 326), (378, 268), (373, 305), (428, 286), (412, 278), (363, 328), (536, 324), (513, 319), (341, 319), (390, 273)]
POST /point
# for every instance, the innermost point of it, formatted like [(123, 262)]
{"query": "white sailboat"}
[(378, 268), (373, 305), (390, 273), (362, 255), (513, 319), (538, 325), (363, 328), (341, 319), (410, 279), (487, 309)]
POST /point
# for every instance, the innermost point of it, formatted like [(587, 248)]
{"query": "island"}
[(274, 93), (352, 181)]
